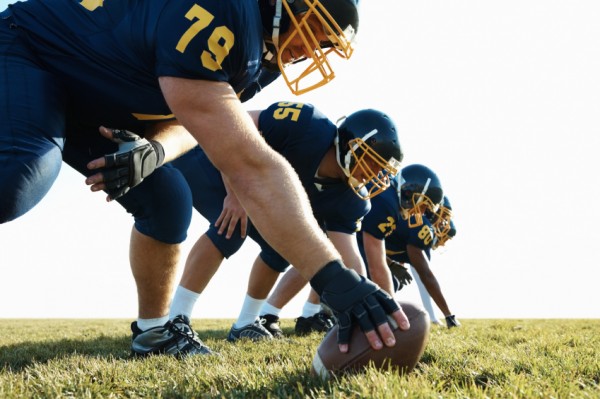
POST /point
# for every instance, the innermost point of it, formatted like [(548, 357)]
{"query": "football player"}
[(444, 230), (397, 227), (169, 73), (335, 165)]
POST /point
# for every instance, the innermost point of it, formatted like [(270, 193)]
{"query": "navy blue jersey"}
[(385, 222), (109, 54), (265, 78), (302, 134)]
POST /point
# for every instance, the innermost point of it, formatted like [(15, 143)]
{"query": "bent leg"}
[(154, 267), (32, 127), (162, 209), (262, 279), (425, 297), (288, 287), (201, 264)]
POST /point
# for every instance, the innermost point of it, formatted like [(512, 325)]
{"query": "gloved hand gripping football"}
[(351, 296), (135, 160)]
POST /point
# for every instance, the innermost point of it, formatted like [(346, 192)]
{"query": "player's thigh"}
[(205, 182), (32, 128), (161, 204)]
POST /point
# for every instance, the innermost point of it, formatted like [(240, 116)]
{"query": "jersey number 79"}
[(219, 43)]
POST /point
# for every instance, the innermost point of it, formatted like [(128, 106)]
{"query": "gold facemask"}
[(365, 161), (414, 215), (318, 72)]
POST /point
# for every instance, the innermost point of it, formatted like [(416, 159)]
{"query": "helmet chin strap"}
[(338, 157)]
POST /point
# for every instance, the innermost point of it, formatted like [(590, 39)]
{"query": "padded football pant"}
[(208, 192), (33, 135)]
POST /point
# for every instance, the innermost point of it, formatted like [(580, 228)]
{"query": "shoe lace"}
[(186, 333), (260, 324)]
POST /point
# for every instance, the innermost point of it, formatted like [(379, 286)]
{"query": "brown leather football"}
[(409, 348)]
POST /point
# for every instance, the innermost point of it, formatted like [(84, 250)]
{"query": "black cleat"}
[(175, 338), (319, 322), (271, 323), (255, 332)]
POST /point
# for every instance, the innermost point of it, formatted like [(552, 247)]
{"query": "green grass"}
[(482, 359)]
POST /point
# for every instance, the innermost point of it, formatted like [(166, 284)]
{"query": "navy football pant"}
[(33, 136), (208, 192)]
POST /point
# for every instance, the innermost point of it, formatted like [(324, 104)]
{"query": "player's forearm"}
[(173, 137), (265, 184), (347, 246), (380, 275), (433, 287)]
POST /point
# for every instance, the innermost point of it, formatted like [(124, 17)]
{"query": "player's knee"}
[(161, 205), (274, 260), (227, 246), (25, 181)]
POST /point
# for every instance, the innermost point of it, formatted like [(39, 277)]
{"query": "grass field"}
[(482, 359)]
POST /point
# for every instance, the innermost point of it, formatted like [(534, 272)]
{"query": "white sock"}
[(146, 324), (310, 309), (269, 309), (249, 312), (183, 302)]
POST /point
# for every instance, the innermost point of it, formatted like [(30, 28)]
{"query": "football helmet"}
[(420, 190), (442, 241), (368, 151), (442, 223), (338, 20)]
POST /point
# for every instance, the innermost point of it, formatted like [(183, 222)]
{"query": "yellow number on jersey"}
[(288, 109), (91, 5), (425, 234), (219, 42), (387, 227)]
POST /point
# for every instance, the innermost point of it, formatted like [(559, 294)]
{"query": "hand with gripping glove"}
[(451, 321), (135, 160), (353, 299), (400, 272)]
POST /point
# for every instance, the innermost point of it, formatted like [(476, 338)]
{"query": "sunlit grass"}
[(482, 359)]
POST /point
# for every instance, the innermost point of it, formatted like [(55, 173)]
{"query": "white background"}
[(501, 99)]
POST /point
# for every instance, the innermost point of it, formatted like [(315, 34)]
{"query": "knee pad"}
[(268, 254), (161, 205), (227, 246), (274, 260), (25, 179)]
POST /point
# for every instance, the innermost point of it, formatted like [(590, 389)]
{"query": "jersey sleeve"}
[(344, 210), (421, 236), (381, 220), (284, 126), (209, 40)]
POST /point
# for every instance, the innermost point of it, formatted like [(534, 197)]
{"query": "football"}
[(409, 348)]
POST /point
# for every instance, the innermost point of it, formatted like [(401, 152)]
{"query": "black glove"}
[(452, 322), (136, 159), (350, 297), (400, 272)]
